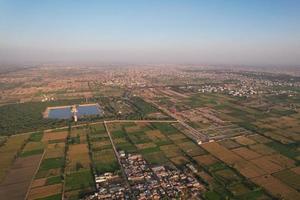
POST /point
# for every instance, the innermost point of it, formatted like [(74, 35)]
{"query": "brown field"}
[(248, 169), (289, 177), (177, 136), (267, 165), (221, 153), (55, 150), (205, 160), (239, 189), (155, 135), (276, 187), (259, 138), (30, 146), (55, 136), (244, 140), (145, 145), (171, 150), (262, 149), (229, 144), (296, 170), (179, 160), (9, 150), (246, 153), (17, 181), (245, 167), (279, 138), (38, 182), (132, 129), (191, 148), (45, 191), (78, 153), (281, 160)]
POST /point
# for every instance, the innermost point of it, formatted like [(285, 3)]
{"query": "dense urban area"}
[(149, 132)]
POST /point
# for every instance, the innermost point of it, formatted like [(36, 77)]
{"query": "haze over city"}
[(149, 100), (255, 33)]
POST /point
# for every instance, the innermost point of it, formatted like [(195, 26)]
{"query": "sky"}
[(223, 32)]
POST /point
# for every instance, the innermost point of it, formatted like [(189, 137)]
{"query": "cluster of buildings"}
[(237, 91), (142, 181), (158, 182), (110, 186), (177, 184)]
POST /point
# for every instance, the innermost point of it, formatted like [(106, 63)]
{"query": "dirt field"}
[(78, 153), (289, 177), (17, 181), (38, 182), (221, 153), (276, 187), (171, 150), (244, 140), (44, 191), (246, 153), (245, 167), (145, 145), (262, 149), (8, 152), (267, 165), (259, 138), (55, 150), (155, 135), (248, 169), (205, 160), (55, 136)]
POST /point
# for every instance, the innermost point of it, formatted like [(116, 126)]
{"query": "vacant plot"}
[(38, 182), (17, 181), (259, 138), (246, 153), (221, 153), (191, 148), (55, 150), (267, 165), (78, 157), (239, 189), (243, 140), (296, 170), (9, 150), (171, 150), (145, 145), (289, 177), (177, 136), (33, 148), (179, 160), (227, 176), (205, 160), (262, 149), (45, 191), (281, 160), (48, 136), (276, 187), (248, 169), (229, 144)]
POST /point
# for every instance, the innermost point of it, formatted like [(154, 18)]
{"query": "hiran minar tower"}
[(74, 112)]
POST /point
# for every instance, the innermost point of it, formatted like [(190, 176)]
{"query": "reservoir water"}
[(65, 112)]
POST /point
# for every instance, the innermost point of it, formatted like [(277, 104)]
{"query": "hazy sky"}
[(245, 32)]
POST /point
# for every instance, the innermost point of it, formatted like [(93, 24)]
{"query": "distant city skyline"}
[(215, 32)]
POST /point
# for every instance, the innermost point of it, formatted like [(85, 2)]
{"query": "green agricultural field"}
[(82, 180)]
